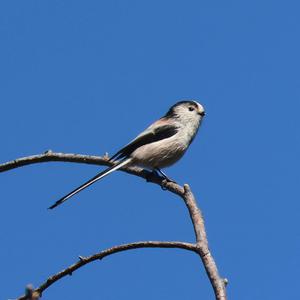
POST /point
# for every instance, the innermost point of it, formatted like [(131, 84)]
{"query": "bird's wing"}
[(158, 131)]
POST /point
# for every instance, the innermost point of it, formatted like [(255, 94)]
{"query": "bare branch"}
[(201, 246), (85, 260), (217, 282), (49, 156)]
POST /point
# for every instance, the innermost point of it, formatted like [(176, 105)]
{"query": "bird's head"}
[(186, 109)]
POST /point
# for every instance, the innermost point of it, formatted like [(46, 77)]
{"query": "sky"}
[(87, 77)]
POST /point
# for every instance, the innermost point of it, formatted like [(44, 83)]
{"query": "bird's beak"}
[(201, 113)]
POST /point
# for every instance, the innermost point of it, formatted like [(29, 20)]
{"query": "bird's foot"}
[(164, 184), (164, 175), (159, 173)]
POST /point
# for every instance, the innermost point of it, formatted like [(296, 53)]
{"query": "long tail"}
[(91, 181)]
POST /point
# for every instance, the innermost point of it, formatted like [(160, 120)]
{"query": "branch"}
[(202, 249), (49, 156), (218, 283), (85, 260)]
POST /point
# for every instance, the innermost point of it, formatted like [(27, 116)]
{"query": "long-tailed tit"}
[(160, 145)]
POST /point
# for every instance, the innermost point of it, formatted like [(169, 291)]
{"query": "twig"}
[(85, 260), (201, 246)]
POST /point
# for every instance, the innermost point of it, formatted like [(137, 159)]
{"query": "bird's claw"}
[(163, 184)]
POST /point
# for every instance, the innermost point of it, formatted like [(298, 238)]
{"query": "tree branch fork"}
[(200, 247)]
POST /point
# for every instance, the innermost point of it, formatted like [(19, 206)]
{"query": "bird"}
[(159, 146)]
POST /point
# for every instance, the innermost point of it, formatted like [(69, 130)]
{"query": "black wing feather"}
[(152, 136)]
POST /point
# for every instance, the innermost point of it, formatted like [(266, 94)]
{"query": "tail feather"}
[(91, 181)]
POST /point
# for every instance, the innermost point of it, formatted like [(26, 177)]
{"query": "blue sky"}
[(86, 77)]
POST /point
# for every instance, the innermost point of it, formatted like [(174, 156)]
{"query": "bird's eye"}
[(191, 108)]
